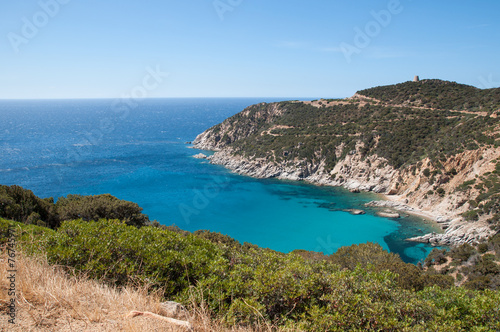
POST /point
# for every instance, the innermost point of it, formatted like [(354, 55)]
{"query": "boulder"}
[(174, 310), (379, 189)]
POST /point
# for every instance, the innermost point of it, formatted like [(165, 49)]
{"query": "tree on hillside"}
[(100, 207)]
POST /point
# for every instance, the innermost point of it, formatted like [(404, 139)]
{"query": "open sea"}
[(137, 151)]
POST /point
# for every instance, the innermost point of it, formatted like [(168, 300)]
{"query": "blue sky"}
[(241, 48)]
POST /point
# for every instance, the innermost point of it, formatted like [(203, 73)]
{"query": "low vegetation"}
[(233, 284), (250, 286), (51, 299), (55, 300), (472, 267), (486, 200)]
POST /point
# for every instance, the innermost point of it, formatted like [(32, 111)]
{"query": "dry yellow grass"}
[(49, 299)]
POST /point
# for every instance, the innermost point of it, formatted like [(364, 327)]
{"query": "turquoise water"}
[(60, 147)]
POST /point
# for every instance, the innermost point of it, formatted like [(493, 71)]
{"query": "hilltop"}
[(431, 146), (437, 94)]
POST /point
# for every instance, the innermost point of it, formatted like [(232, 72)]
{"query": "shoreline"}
[(399, 205), (415, 211), (454, 230)]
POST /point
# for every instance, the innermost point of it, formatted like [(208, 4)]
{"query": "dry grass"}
[(48, 299)]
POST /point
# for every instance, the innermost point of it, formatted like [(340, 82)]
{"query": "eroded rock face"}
[(354, 174)]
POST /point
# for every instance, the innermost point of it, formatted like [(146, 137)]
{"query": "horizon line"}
[(152, 98)]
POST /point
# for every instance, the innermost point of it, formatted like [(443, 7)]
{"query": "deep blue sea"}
[(139, 153)]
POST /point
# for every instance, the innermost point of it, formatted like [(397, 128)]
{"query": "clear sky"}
[(241, 48)]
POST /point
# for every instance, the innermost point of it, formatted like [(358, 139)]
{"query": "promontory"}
[(432, 147)]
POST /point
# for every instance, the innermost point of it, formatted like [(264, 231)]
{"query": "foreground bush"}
[(120, 254)]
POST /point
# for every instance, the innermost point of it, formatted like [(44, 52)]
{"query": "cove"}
[(277, 214)]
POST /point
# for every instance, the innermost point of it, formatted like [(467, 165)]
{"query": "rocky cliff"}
[(361, 143)]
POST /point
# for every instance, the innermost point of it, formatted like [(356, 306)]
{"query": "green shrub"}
[(119, 254), (463, 252), (482, 248), (471, 215), (19, 204), (372, 256), (436, 257)]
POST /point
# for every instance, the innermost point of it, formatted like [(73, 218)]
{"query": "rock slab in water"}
[(354, 211), (388, 214), (200, 156)]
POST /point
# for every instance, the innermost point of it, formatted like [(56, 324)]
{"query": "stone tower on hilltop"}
[(416, 79)]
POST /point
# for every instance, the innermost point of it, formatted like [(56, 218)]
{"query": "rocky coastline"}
[(369, 175)]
